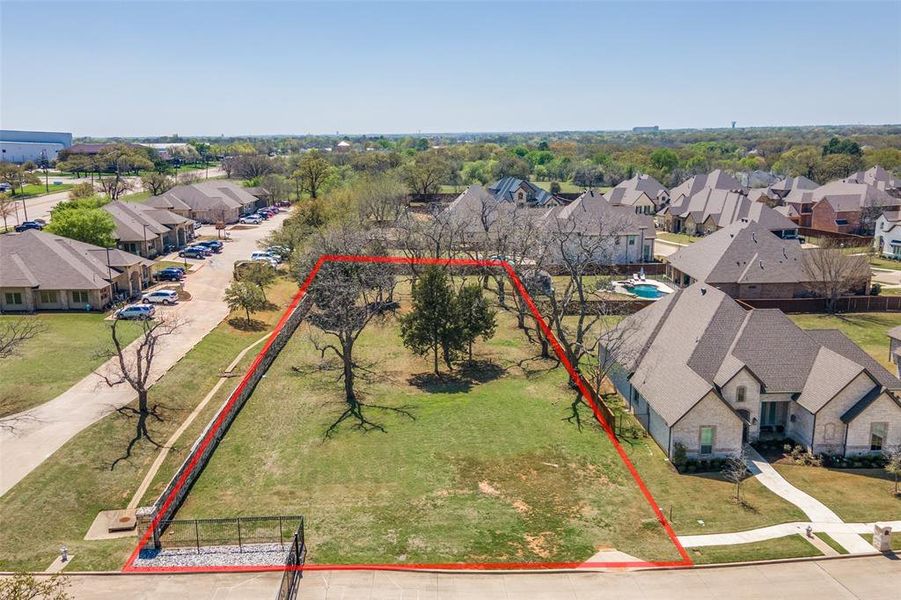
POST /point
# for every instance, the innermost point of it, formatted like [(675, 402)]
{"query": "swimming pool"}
[(646, 290)]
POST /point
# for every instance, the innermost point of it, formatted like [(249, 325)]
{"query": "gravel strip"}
[(212, 556)]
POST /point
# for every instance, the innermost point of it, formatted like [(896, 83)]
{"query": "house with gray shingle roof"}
[(146, 230), (644, 193), (746, 261), (879, 178), (849, 207), (711, 209), (211, 201), (43, 271), (701, 372), (521, 193), (715, 180)]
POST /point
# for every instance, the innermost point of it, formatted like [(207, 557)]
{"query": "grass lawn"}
[(791, 546), (885, 263), (165, 264), (58, 501), (56, 359), (40, 189), (856, 495), (678, 238), (488, 469), (830, 541), (867, 330), (136, 197)]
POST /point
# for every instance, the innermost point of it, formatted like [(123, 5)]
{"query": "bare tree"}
[(346, 296), (14, 333), (25, 586), (736, 470), (7, 209), (831, 272), (132, 365), (893, 465), (115, 186)]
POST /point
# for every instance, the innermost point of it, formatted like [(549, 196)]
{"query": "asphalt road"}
[(42, 430)]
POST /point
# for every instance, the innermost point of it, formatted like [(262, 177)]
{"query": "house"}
[(715, 180), (211, 201), (522, 193), (479, 213), (746, 261), (711, 209), (644, 193), (621, 236), (784, 187), (146, 230), (703, 374), (42, 271), (844, 207), (887, 234), (878, 178), (894, 349)]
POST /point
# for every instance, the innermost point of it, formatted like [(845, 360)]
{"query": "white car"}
[(136, 311), (160, 297), (250, 220), (264, 257)]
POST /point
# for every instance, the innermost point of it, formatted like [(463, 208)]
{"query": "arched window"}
[(740, 393)]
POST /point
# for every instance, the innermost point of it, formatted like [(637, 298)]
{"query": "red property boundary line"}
[(576, 377)]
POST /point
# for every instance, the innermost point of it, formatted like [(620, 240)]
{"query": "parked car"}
[(280, 252), (26, 225), (192, 252), (214, 245), (136, 311), (40, 222), (207, 251), (250, 220), (160, 297), (264, 257), (5, 187), (170, 275), (261, 214)]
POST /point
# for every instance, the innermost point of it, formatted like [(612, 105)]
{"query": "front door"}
[(745, 425)]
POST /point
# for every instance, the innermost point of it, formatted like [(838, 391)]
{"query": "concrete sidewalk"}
[(847, 578), (782, 530), (44, 429)]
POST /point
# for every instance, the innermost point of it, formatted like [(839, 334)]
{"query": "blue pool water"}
[(646, 290)]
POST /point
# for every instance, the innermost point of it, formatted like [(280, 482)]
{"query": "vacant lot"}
[(867, 330), (487, 469), (856, 495), (62, 354)]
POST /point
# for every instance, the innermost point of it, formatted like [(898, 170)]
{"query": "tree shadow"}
[(244, 324), (469, 374), (481, 371)]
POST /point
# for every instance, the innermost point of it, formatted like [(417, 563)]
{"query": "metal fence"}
[(237, 531), (297, 554)]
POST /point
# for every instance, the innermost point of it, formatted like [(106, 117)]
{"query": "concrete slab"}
[(58, 565), (112, 524)]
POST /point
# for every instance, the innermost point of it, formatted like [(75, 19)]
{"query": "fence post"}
[(281, 539), (197, 536), (240, 547)]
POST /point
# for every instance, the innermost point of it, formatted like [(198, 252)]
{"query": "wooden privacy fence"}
[(845, 304)]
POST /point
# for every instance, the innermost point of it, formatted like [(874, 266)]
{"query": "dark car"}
[(26, 225), (192, 253), (170, 275), (214, 245)]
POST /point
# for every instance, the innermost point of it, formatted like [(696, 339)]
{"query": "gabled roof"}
[(591, 213), (505, 189), (743, 252), (843, 196), (206, 195), (693, 342), (41, 260), (716, 180), (794, 183), (131, 219), (629, 192), (877, 177), (862, 404), (725, 207)]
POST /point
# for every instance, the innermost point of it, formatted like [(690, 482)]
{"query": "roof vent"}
[(754, 236), (703, 291)]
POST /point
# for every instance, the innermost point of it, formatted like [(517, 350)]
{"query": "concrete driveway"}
[(851, 578), (42, 430)]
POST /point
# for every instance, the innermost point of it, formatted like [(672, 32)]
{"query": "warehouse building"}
[(22, 146)]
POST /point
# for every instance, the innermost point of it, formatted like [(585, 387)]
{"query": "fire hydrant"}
[(809, 531), (64, 554)]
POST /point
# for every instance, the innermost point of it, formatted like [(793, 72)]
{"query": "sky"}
[(254, 68)]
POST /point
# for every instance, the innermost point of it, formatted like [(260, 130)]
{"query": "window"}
[(631, 240), (14, 297), (80, 297), (740, 393), (48, 297), (878, 432), (707, 436)]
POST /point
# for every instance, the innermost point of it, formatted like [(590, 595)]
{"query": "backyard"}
[(58, 357), (867, 330)]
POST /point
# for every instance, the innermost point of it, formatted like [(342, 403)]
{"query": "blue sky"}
[(144, 68)]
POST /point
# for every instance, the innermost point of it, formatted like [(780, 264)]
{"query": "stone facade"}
[(709, 412)]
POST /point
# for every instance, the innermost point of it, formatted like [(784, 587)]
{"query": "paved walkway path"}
[(846, 578), (784, 529), (43, 430)]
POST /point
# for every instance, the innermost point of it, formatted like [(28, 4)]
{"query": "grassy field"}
[(678, 238), (485, 471), (136, 197), (884, 263), (867, 330), (40, 189), (56, 359), (830, 541), (792, 546), (58, 501), (855, 495)]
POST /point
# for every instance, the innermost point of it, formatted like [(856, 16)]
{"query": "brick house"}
[(699, 371), (844, 207)]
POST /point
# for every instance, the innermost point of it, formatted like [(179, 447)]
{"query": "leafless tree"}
[(132, 365), (7, 209), (831, 272), (736, 470), (14, 333), (114, 186), (346, 296)]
